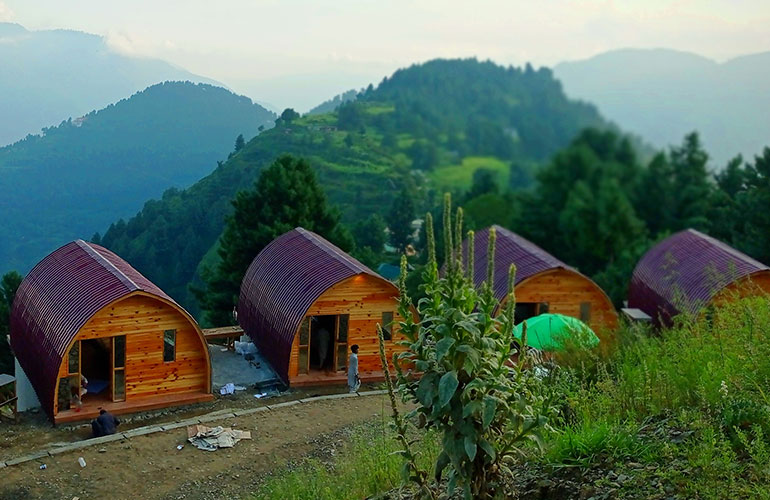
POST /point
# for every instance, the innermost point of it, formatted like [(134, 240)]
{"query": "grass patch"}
[(460, 176), (366, 466), (379, 109), (691, 403)]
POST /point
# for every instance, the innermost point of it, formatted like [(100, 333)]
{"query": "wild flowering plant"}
[(457, 369)]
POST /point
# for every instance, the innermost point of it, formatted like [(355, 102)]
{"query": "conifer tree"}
[(286, 195)]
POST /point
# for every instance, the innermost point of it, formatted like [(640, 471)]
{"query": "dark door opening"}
[(322, 336), (526, 310), (96, 367)]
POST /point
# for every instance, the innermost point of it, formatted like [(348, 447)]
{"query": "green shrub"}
[(459, 371)]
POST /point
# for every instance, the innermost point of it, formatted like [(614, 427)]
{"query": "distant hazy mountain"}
[(663, 94), (85, 173), (49, 76)]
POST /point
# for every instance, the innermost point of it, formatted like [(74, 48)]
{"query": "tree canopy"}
[(285, 196)]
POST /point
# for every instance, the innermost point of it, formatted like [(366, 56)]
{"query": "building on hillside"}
[(690, 271), (543, 284), (304, 302), (84, 314)]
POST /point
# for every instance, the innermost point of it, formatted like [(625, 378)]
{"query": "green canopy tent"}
[(553, 332)]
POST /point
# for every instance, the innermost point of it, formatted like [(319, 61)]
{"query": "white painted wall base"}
[(24, 390)]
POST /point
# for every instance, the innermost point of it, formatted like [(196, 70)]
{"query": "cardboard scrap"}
[(212, 438)]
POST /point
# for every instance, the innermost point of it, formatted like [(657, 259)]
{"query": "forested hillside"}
[(76, 178), (425, 129)]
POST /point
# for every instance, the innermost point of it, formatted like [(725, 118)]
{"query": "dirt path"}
[(151, 467)]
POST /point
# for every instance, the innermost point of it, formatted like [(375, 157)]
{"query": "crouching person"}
[(105, 424)]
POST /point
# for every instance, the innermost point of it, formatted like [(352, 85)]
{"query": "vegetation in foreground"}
[(682, 414), (366, 467)]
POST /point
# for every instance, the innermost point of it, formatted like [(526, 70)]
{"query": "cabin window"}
[(73, 365), (387, 325), (119, 368), (304, 345), (120, 352), (119, 389), (169, 345), (542, 308), (342, 341), (585, 312), (342, 331)]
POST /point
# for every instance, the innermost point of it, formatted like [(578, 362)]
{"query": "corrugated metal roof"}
[(57, 298), (529, 258), (282, 282), (683, 272)]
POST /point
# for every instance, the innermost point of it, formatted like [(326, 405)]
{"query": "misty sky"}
[(299, 52)]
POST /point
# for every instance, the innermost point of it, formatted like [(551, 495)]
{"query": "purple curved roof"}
[(510, 248), (55, 300), (282, 282), (683, 272)]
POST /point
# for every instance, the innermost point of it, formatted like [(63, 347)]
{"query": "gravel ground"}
[(151, 467)]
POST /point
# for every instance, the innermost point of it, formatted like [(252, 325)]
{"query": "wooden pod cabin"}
[(690, 271), (304, 302), (544, 284), (84, 311)]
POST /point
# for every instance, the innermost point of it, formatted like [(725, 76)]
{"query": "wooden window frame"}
[(387, 328), (173, 359), (301, 346), (122, 369), (585, 312), (341, 365)]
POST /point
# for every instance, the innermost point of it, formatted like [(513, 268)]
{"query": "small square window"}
[(585, 312), (169, 345), (387, 325)]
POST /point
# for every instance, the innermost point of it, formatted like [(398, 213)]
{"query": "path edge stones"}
[(155, 428)]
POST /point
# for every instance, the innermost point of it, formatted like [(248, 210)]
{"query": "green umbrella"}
[(550, 332)]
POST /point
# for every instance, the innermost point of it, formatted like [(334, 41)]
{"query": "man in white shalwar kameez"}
[(354, 381)]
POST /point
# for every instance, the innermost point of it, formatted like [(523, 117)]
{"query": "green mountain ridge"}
[(77, 177), (424, 122)]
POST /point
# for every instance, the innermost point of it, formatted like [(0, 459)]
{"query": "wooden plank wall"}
[(364, 298), (754, 284), (564, 290), (143, 319)]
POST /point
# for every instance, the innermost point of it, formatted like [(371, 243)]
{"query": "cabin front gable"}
[(142, 347), (364, 301), (563, 291)]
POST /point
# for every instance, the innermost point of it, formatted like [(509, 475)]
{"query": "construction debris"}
[(230, 388), (211, 438)]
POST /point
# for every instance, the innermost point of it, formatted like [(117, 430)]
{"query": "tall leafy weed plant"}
[(457, 370)]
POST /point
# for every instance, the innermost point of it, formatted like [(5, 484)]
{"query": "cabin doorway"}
[(96, 373), (95, 355), (322, 329), (526, 310), (323, 343)]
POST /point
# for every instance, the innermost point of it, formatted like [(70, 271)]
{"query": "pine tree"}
[(239, 142), (692, 185), (400, 217), (285, 196)]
